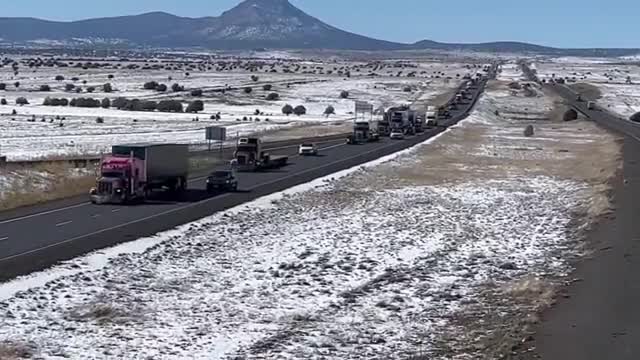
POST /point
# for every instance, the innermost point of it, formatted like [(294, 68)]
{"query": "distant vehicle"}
[(432, 116), (132, 172), (591, 105), (222, 180), (397, 135), (308, 149), (249, 156), (579, 97)]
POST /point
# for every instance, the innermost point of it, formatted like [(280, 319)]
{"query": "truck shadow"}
[(190, 196)]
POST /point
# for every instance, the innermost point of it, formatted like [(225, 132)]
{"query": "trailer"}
[(132, 172), (250, 156)]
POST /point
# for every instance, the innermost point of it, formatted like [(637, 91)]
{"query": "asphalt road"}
[(47, 234)]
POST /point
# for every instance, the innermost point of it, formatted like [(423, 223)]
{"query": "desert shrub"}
[(22, 101), (74, 79), (151, 85), (69, 87), (3, 102), (330, 110), (3, 86), (196, 92), (105, 103), (161, 88), (300, 110), (195, 106), (59, 78), (85, 102), (99, 120), (267, 87), (107, 88), (170, 106), (255, 78), (515, 85), (55, 102), (570, 115), (273, 96), (635, 117), (147, 105), (110, 76), (176, 87), (287, 109), (344, 94), (119, 103), (91, 89), (407, 89), (45, 88), (248, 90), (16, 84)]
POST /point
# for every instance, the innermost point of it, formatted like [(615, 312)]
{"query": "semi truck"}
[(133, 172), (432, 116), (250, 156)]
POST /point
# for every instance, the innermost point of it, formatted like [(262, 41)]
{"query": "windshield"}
[(307, 145)]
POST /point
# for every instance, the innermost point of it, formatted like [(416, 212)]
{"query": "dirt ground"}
[(588, 91)]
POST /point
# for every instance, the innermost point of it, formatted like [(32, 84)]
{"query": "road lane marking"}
[(4, 238), (95, 216), (116, 210), (44, 213), (170, 211), (64, 223)]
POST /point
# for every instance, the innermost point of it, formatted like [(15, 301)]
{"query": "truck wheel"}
[(234, 187)]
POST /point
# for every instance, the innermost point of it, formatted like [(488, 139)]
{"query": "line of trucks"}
[(131, 173)]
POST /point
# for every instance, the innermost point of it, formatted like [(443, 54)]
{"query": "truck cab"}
[(131, 172)]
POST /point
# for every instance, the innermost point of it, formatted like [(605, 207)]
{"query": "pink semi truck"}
[(133, 172)]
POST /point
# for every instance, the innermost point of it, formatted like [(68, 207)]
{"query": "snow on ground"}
[(372, 264), (618, 81), (68, 131), (510, 72)]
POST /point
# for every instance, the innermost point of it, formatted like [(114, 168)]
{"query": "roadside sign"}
[(216, 133), (363, 107)]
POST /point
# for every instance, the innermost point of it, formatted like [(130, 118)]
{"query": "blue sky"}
[(563, 23)]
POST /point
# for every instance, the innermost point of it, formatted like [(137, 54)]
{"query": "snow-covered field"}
[(510, 72), (617, 79), (374, 262), (64, 130)]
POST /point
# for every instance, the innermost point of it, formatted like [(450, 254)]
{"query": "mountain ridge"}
[(251, 24)]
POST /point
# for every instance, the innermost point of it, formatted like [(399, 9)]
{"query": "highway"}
[(44, 235), (598, 114)]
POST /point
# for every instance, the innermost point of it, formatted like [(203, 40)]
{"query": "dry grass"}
[(499, 325), (15, 351), (588, 91), (57, 184)]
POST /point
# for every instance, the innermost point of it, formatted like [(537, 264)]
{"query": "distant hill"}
[(251, 24)]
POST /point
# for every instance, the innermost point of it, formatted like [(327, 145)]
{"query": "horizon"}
[(553, 30)]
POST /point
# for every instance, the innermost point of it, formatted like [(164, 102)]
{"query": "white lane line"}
[(88, 203), (4, 238), (116, 210), (95, 216), (170, 211), (64, 223), (43, 213)]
